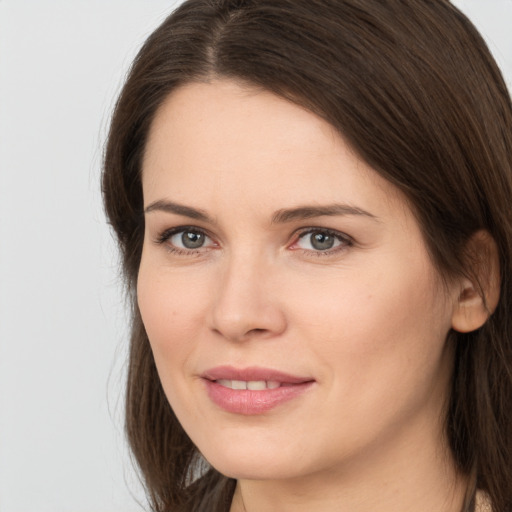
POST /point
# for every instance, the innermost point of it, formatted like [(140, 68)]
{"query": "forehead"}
[(227, 118), (223, 141)]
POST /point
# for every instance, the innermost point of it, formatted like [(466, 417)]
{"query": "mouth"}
[(252, 391), (252, 385)]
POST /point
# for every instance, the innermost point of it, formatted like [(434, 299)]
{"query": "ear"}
[(478, 295)]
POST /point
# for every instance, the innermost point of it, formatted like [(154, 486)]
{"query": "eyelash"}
[(345, 241)]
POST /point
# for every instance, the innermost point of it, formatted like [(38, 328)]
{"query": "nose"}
[(245, 303)]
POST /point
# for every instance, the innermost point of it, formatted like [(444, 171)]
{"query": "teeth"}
[(252, 385), (224, 382), (256, 385)]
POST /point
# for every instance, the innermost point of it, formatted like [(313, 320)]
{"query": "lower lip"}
[(247, 402)]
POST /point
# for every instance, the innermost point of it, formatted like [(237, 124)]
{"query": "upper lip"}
[(254, 373)]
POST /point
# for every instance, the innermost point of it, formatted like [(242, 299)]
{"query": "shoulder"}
[(482, 502)]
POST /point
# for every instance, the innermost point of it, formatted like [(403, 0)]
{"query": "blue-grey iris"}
[(192, 240), (322, 241)]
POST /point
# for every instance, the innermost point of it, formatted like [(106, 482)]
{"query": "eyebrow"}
[(280, 216), (178, 209), (308, 212)]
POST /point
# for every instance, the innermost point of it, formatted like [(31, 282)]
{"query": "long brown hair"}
[(412, 87)]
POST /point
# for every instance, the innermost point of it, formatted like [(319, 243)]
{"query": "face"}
[(296, 320)]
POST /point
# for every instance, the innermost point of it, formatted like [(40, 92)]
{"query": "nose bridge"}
[(245, 303)]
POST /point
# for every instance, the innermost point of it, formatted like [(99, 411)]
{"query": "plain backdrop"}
[(62, 317)]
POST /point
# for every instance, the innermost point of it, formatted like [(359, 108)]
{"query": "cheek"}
[(171, 311), (171, 307), (378, 342), (380, 324)]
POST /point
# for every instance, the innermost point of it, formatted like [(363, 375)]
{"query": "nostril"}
[(239, 320)]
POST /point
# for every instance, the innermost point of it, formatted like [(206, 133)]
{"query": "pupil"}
[(321, 241), (192, 240)]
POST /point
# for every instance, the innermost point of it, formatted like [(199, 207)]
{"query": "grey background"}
[(62, 321)]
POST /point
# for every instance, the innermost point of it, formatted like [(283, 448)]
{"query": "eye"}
[(188, 239), (322, 240), (183, 240)]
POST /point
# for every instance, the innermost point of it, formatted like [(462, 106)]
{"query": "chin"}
[(247, 460), (254, 461), (246, 468)]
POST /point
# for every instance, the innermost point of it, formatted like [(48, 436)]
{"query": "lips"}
[(252, 391)]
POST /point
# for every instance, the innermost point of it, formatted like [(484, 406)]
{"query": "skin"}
[(367, 320)]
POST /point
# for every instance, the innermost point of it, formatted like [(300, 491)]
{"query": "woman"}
[(313, 203)]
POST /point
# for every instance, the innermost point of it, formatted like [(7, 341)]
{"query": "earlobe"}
[(470, 312), (479, 295)]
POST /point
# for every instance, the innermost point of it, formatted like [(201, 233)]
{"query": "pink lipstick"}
[(252, 391)]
